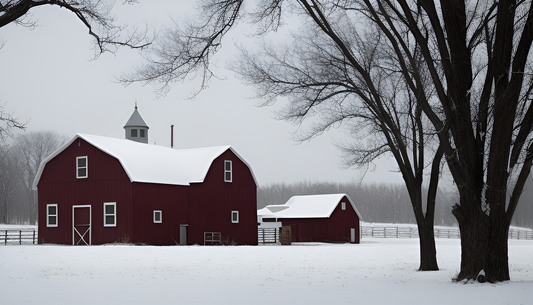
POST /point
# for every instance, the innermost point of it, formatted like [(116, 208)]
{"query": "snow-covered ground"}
[(377, 271)]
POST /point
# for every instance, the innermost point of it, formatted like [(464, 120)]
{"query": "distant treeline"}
[(383, 202)]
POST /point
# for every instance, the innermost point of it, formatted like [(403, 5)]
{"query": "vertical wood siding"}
[(336, 228), (107, 182), (172, 200), (203, 207), (212, 201)]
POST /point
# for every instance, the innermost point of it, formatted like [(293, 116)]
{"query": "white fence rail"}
[(412, 232), (268, 235), (18, 237)]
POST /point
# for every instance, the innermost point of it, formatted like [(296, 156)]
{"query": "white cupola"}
[(136, 129)]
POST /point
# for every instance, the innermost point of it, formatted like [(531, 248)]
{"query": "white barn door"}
[(81, 225), (352, 235)]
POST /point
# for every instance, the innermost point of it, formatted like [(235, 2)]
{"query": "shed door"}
[(352, 235), (183, 234), (81, 225)]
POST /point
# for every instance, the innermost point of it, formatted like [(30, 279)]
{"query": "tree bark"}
[(428, 250), (497, 261), (474, 241)]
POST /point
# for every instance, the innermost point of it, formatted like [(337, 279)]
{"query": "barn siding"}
[(101, 165), (212, 201), (336, 228), (172, 200), (342, 221), (106, 182), (203, 207)]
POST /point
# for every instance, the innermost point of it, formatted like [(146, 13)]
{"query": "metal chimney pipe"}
[(171, 136)]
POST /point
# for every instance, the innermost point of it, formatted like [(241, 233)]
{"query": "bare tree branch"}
[(94, 14)]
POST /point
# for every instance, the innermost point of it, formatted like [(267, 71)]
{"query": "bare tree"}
[(94, 14), (383, 115), (32, 148), (319, 79), (9, 122), (9, 182), (476, 55)]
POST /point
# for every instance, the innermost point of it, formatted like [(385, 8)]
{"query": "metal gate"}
[(81, 224)]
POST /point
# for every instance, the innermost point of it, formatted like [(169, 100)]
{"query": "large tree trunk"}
[(428, 251), (483, 246), (474, 242), (497, 266)]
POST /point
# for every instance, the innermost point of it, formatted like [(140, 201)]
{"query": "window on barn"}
[(141, 133), (110, 214), (158, 217), (51, 215), (81, 167), (227, 171), (343, 205), (134, 133), (234, 216)]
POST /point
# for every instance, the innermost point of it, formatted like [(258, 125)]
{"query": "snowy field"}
[(377, 271)]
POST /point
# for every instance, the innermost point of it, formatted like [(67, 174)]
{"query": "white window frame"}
[(160, 216), (48, 215), (114, 214), (228, 171), (343, 205), (233, 220), (78, 167)]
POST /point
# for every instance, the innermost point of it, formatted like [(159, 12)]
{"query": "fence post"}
[(20, 237), (5, 237), (33, 240)]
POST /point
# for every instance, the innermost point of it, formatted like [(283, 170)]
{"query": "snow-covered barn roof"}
[(152, 163), (309, 206)]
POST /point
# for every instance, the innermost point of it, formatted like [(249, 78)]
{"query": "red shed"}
[(96, 190), (316, 218)]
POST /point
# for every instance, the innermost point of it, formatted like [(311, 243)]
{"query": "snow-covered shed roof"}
[(309, 206), (152, 163)]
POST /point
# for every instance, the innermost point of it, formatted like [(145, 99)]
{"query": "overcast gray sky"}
[(48, 79)]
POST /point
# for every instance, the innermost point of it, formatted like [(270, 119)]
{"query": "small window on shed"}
[(158, 216), (110, 214), (227, 171), (343, 205), (134, 133), (81, 167), (234, 216), (51, 215), (141, 133)]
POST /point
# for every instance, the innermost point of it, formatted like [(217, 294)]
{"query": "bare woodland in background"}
[(19, 162), (383, 202)]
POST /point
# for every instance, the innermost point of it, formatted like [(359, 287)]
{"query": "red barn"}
[(97, 190), (316, 218)]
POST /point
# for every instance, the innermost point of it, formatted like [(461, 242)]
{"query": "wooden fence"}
[(412, 232), (27, 236), (268, 235)]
